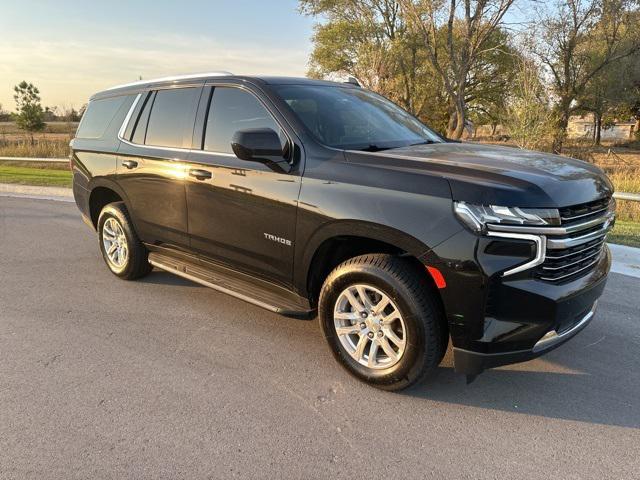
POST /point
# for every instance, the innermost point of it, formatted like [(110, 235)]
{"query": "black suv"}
[(305, 196)]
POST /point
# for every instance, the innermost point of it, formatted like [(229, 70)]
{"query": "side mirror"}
[(257, 145)]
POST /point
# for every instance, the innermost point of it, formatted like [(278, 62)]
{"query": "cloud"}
[(69, 72)]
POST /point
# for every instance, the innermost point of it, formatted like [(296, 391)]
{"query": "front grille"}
[(567, 251), (583, 247), (584, 211), (569, 263)]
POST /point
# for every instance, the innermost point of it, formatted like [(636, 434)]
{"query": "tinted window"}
[(140, 129), (172, 117), (98, 116), (354, 118), (233, 109)]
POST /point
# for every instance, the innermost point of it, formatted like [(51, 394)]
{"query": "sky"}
[(71, 49)]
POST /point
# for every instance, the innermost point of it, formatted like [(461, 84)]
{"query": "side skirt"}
[(244, 287)]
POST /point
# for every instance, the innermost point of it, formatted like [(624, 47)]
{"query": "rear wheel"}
[(121, 248), (382, 320)]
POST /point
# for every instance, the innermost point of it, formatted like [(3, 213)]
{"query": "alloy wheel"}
[(115, 242), (370, 326)]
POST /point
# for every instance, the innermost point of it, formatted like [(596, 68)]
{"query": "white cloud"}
[(69, 72)]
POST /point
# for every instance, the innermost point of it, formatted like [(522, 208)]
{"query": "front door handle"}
[(130, 164), (200, 174)]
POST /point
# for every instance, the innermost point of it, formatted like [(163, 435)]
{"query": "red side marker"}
[(437, 277)]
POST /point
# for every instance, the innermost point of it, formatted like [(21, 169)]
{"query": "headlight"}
[(476, 217)]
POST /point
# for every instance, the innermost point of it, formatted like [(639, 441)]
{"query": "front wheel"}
[(382, 320), (121, 248)]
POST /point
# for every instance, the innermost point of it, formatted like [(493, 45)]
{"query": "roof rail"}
[(220, 73), (353, 81)]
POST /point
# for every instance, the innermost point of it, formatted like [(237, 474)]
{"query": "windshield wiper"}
[(373, 148), (426, 142)]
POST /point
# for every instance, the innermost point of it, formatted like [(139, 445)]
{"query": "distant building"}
[(582, 126)]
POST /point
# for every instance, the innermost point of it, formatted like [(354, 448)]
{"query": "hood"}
[(495, 175)]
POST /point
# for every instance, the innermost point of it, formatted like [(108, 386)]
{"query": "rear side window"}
[(172, 117), (140, 129), (233, 109), (98, 116)]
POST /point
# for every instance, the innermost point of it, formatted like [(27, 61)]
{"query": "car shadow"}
[(571, 383), (159, 277), (592, 378)]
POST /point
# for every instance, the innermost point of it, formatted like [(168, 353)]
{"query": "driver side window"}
[(234, 109)]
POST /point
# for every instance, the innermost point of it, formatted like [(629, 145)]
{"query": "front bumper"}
[(497, 320), (473, 363)]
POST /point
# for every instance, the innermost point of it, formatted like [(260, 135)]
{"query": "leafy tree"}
[(49, 114), (373, 40), (578, 40), (29, 115), (455, 35), (612, 94), (367, 39)]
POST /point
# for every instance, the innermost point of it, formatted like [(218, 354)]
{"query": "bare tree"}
[(455, 34), (528, 115), (578, 39)]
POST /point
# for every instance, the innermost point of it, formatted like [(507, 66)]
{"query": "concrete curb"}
[(60, 194), (633, 197), (626, 260), (34, 159)]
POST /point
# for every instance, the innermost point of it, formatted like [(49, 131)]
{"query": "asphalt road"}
[(161, 378)]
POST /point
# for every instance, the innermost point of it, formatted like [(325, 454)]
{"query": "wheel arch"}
[(338, 241), (104, 191)]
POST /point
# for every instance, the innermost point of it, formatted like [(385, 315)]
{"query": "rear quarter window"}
[(98, 116)]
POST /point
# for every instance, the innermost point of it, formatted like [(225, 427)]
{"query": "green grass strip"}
[(35, 176)]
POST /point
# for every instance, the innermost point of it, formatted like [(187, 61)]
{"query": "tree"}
[(367, 39), (372, 40), (528, 116), (578, 40), (29, 115), (611, 94), (81, 112), (455, 35), (4, 115), (49, 114), (492, 79)]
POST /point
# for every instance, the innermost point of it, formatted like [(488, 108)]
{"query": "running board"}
[(244, 287)]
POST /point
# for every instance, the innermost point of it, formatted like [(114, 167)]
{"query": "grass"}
[(53, 142), (625, 233), (625, 179), (42, 147), (628, 211), (52, 127), (51, 176)]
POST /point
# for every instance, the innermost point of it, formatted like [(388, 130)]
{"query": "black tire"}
[(136, 264), (408, 287)]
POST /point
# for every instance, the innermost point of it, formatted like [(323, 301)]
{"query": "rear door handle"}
[(130, 164), (200, 174)]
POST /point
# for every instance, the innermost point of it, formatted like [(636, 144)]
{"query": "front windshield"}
[(354, 118)]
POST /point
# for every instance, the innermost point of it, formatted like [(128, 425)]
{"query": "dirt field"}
[(52, 142), (67, 128)]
